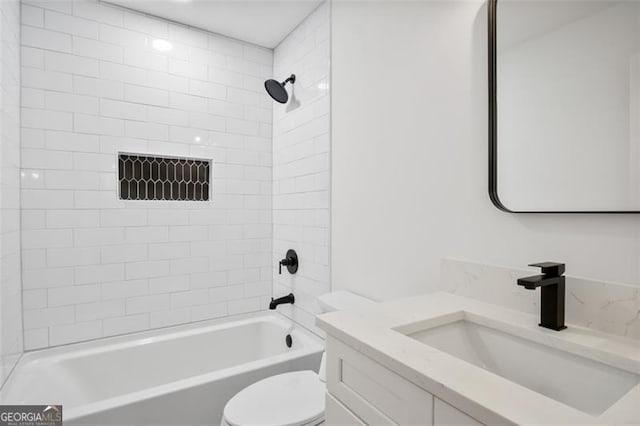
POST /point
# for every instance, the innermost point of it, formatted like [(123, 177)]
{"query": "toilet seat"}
[(290, 399), (317, 422)]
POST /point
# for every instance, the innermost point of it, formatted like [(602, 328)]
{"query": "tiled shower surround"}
[(93, 86), (10, 303), (301, 179)]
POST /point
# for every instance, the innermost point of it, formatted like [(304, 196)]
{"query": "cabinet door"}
[(374, 393), (444, 414), (337, 414)]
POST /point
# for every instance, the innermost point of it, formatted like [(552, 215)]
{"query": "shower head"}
[(276, 90)]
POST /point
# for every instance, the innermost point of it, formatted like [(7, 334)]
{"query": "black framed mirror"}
[(564, 106)]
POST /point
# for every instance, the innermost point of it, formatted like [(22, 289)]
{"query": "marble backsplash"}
[(609, 307)]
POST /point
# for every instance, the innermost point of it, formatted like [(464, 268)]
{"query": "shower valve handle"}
[(287, 261), (290, 261)]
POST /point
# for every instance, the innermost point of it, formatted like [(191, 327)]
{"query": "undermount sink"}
[(586, 385)]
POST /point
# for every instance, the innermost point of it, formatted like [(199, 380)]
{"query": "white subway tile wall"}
[(93, 85), (301, 182), (10, 287)]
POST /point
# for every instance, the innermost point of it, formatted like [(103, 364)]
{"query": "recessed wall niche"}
[(148, 177)]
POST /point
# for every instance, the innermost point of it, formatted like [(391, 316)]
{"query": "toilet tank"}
[(339, 300)]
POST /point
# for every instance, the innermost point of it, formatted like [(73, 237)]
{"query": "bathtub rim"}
[(312, 344), (161, 333)]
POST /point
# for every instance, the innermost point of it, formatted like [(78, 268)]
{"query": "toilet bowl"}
[(289, 399)]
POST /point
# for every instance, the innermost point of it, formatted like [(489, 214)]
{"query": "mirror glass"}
[(565, 88)]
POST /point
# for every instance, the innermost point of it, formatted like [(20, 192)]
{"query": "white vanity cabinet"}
[(362, 392)]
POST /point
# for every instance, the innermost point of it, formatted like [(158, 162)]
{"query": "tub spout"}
[(289, 298)]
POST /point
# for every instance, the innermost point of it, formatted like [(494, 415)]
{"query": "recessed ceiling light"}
[(161, 45), (198, 139)]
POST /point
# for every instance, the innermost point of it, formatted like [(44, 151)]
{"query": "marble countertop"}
[(484, 395)]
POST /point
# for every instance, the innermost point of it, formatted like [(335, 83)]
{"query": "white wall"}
[(10, 297), (96, 266), (301, 143), (409, 159)]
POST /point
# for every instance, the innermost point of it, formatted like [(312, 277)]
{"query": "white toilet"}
[(289, 399)]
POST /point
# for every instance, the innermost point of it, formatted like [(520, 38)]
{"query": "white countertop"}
[(482, 394)]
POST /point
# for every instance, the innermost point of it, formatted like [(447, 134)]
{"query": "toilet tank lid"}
[(339, 300)]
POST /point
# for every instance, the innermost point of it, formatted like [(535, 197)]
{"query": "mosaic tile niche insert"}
[(149, 177)]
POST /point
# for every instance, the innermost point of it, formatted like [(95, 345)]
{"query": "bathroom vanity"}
[(442, 359)]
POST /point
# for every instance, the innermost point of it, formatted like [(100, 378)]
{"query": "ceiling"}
[(262, 22)]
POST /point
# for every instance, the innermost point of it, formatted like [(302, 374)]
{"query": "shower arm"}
[(291, 79)]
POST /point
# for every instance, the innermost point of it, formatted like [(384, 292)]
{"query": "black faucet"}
[(552, 293), (279, 301)]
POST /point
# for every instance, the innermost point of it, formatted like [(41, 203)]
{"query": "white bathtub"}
[(181, 375)]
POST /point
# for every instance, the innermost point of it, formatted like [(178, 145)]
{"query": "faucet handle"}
[(550, 269), (290, 261)]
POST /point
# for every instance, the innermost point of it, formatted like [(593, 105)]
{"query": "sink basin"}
[(586, 385)]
